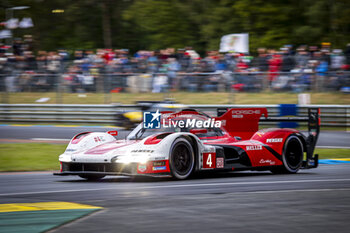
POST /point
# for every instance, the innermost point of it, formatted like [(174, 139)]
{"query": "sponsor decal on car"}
[(270, 140), (99, 139), (219, 162), (245, 112), (142, 167), (263, 161), (142, 151), (159, 168), (237, 116), (255, 147), (159, 163), (241, 113)]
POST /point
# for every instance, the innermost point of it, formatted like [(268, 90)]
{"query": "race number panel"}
[(209, 160)]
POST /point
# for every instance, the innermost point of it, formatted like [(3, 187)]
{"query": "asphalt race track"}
[(52, 132), (326, 139), (316, 200)]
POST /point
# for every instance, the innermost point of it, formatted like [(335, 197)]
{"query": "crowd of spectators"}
[(183, 69)]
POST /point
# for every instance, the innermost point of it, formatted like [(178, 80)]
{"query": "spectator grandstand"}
[(107, 70)]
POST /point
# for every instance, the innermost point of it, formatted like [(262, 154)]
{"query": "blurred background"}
[(131, 46), (123, 52)]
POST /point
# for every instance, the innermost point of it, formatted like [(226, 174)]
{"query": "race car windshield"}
[(140, 132)]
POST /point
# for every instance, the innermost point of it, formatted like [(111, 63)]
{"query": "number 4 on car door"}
[(209, 160)]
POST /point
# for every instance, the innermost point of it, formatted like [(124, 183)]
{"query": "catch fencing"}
[(109, 83), (331, 115)]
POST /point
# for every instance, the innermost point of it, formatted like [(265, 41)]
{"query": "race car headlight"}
[(121, 159), (143, 159), (130, 159)]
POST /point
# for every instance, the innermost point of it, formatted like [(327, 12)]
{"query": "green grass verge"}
[(181, 97), (43, 156), (332, 153), (30, 156)]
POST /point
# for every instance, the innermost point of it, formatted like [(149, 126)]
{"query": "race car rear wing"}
[(244, 122)]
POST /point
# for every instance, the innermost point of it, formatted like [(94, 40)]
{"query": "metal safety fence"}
[(109, 83)]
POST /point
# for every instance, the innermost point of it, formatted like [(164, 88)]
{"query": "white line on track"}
[(246, 183), (49, 139), (183, 185), (298, 190), (333, 147)]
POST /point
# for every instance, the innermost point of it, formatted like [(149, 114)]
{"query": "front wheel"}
[(292, 157), (90, 177), (181, 160)]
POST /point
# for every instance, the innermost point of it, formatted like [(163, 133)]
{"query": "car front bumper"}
[(108, 169)]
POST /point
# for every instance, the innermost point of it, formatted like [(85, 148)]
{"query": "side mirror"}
[(199, 131), (113, 132)]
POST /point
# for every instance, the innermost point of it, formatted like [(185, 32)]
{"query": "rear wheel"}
[(91, 177), (181, 160), (292, 156)]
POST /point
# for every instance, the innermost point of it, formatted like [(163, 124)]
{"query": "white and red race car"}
[(182, 146)]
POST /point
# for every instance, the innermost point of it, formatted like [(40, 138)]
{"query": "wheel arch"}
[(303, 141), (195, 147), (184, 139), (290, 137), (278, 133), (192, 140)]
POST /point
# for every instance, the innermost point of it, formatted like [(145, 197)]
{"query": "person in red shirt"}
[(274, 66)]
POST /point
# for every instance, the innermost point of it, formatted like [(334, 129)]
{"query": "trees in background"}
[(156, 24)]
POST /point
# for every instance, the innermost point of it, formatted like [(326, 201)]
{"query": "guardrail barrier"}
[(331, 115)]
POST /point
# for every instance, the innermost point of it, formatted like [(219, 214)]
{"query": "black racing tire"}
[(181, 159), (92, 177), (292, 156)]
